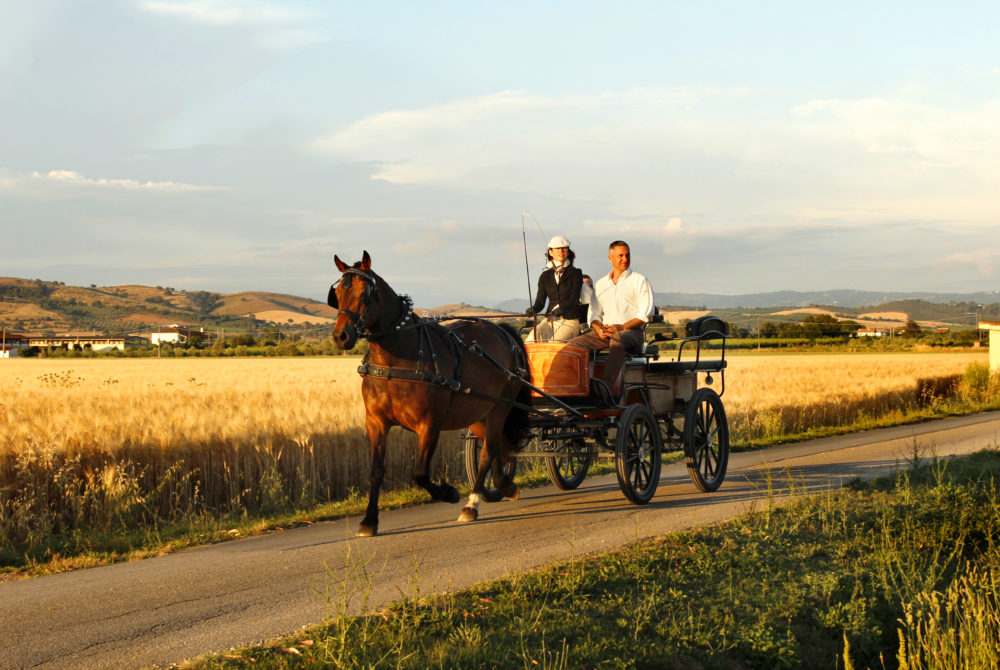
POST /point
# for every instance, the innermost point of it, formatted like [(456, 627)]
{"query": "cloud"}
[(724, 155), (984, 260), (282, 27), (223, 12), (75, 178), (445, 143), (924, 137)]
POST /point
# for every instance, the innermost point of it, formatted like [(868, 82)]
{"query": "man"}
[(622, 306)]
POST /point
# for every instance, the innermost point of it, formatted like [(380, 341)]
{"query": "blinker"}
[(331, 298)]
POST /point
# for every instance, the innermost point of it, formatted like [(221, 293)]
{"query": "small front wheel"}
[(568, 467), (706, 439), (638, 450), (473, 447)]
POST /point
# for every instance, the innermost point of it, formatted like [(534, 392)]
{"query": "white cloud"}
[(279, 28), (75, 178), (728, 154), (223, 12), (984, 260), (923, 136), (448, 142)]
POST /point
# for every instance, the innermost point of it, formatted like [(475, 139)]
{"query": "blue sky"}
[(739, 147)]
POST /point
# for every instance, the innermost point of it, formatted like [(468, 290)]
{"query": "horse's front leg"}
[(427, 440), (377, 433)]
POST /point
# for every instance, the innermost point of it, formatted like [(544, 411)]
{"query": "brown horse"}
[(429, 376)]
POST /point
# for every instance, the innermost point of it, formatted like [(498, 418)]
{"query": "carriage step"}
[(680, 367)]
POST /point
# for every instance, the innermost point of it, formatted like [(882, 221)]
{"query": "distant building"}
[(84, 342), (993, 328), (871, 332), (11, 344), (175, 334)]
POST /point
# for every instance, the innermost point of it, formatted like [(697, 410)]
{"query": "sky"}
[(739, 147)]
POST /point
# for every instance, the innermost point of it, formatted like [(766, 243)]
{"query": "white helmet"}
[(558, 242)]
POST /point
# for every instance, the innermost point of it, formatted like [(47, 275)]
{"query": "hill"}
[(52, 307), (36, 307)]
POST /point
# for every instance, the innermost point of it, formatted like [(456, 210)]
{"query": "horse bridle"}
[(360, 321), (371, 292)]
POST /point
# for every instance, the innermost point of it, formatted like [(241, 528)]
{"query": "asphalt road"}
[(164, 610)]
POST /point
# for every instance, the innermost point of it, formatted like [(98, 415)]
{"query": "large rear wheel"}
[(473, 446), (706, 439), (638, 450)]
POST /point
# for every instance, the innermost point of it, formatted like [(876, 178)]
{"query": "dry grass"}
[(112, 443)]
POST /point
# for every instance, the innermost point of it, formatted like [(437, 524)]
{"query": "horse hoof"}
[(468, 514), (512, 492), (451, 495), (367, 531)]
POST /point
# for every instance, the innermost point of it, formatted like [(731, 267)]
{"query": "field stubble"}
[(109, 444)]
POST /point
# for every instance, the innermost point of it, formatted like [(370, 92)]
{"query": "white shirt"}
[(631, 298), (588, 298)]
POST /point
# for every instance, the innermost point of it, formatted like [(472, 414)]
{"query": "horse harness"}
[(408, 320)]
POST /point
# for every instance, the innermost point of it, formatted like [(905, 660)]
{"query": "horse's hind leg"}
[(489, 462), (427, 441), (471, 510), (377, 432)]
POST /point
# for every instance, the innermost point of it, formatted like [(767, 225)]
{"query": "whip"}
[(527, 271)]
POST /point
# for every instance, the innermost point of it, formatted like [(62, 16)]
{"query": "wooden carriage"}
[(661, 407)]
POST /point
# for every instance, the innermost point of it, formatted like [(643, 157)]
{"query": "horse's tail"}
[(515, 427)]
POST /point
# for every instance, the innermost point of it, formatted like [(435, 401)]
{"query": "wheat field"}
[(768, 395), (113, 442)]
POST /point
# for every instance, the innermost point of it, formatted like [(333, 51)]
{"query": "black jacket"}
[(564, 294)]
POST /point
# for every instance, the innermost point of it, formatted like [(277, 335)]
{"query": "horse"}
[(428, 375)]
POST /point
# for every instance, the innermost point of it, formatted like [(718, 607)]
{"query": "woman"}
[(560, 285)]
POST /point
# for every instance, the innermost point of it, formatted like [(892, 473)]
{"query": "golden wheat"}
[(126, 441), (772, 394)]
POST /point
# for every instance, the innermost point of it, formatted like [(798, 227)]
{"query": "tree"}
[(206, 301), (912, 329)]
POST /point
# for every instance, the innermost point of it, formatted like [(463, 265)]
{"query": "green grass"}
[(884, 574)]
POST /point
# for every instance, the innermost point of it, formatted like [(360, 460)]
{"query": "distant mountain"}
[(514, 306), (837, 297)]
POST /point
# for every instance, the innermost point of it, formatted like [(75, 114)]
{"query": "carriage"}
[(662, 408), (431, 375)]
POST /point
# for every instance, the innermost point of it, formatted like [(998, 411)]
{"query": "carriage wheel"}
[(473, 445), (568, 468), (706, 439), (638, 451)]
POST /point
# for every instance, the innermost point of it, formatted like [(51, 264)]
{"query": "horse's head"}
[(355, 295)]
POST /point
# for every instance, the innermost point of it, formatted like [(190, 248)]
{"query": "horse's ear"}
[(366, 262), (341, 265)]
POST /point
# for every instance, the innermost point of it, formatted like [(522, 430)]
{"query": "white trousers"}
[(554, 329)]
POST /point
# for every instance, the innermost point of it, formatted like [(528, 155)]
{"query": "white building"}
[(175, 334), (11, 344), (84, 342), (993, 328)]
